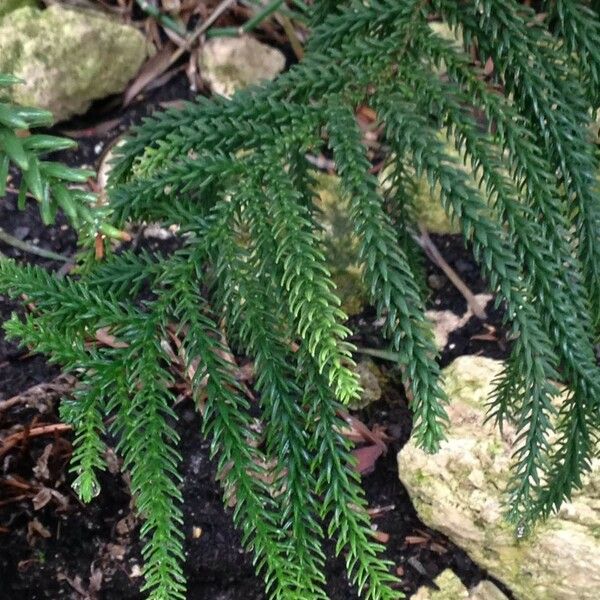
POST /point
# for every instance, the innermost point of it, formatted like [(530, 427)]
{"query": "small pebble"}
[(21, 232), (436, 282), (463, 266)]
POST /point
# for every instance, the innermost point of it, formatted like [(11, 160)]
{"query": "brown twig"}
[(295, 42), (15, 438), (31, 248), (189, 42), (58, 386), (436, 257)]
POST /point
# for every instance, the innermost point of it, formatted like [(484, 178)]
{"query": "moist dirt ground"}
[(52, 546)]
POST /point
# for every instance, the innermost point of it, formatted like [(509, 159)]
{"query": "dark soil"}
[(67, 550)]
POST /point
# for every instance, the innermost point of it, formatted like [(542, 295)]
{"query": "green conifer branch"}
[(312, 304), (579, 29), (343, 503), (342, 500), (392, 283), (250, 304), (85, 412), (512, 41), (232, 175), (241, 465)]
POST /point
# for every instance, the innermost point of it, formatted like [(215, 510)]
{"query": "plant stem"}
[(31, 248)]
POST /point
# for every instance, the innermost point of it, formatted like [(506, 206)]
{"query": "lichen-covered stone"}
[(429, 211), (7, 6), (459, 491), (68, 58), (452, 588), (426, 204), (231, 64), (340, 243), (371, 379), (444, 322)]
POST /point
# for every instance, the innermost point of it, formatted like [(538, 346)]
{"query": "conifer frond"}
[(251, 274), (579, 30), (241, 464), (84, 412), (505, 32), (253, 311), (46, 181), (342, 500), (390, 280), (133, 376)]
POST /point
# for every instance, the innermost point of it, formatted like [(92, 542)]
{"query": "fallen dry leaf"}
[(41, 395), (155, 66), (41, 498), (366, 457), (95, 580), (438, 548), (113, 462), (36, 529), (104, 337), (116, 551), (126, 525), (412, 540), (74, 582), (378, 511), (41, 466), (381, 536)]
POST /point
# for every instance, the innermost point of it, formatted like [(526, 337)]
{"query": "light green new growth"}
[(251, 275)]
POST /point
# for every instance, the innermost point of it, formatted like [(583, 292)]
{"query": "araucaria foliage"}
[(251, 274)]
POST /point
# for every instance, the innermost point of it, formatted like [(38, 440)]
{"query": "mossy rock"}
[(231, 64), (429, 211), (426, 204), (7, 6), (68, 58), (340, 243), (460, 492), (372, 382), (450, 587)]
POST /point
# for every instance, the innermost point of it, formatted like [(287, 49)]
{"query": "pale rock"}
[(340, 243), (68, 58), (371, 378), (7, 6), (429, 211), (231, 64), (452, 588), (426, 206), (459, 491), (444, 322), (486, 590)]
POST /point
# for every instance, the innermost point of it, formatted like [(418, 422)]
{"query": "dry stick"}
[(14, 439), (288, 27), (6, 404), (435, 256), (31, 248), (188, 43), (221, 8), (57, 387)]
